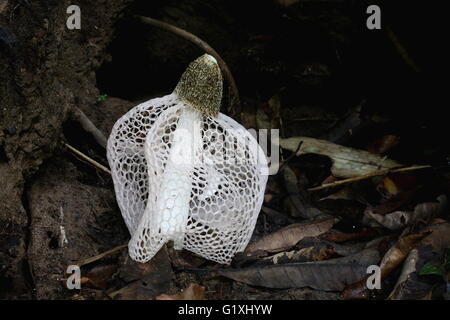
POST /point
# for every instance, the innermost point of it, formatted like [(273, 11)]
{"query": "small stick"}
[(86, 158), (101, 255), (88, 126), (401, 50), (367, 176), (285, 162), (235, 105)]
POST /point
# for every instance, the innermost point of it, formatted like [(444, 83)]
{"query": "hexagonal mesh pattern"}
[(183, 176)]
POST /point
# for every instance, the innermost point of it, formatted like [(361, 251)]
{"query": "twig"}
[(101, 255), (88, 126), (235, 105), (11, 16), (401, 50), (291, 156), (86, 158), (367, 176)]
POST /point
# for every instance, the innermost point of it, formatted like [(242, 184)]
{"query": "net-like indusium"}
[(182, 175)]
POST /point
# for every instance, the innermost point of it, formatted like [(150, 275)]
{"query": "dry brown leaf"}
[(388, 187), (394, 183), (328, 275), (192, 292), (408, 284), (399, 219), (268, 197), (311, 249), (338, 236), (146, 280), (302, 255), (98, 277), (343, 194), (184, 258), (301, 206), (393, 203), (398, 253), (439, 238), (289, 236), (329, 179), (3, 5), (392, 258), (409, 267), (347, 162), (384, 144), (356, 290)]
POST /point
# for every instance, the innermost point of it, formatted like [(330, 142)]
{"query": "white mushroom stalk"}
[(176, 183), (184, 172)]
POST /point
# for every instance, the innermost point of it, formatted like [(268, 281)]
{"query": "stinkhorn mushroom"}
[(184, 172)]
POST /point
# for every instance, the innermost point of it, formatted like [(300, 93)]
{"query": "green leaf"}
[(428, 269), (102, 98)]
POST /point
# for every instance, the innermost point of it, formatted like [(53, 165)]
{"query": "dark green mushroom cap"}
[(200, 85)]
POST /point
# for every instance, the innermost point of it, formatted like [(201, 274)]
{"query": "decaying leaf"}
[(298, 198), (287, 237), (439, 239), (357, 290), (146, 280), (393, 184), (384, 144), (329, 179), (192, 292), (398, 253), (338, 236), (347, 162), (311, 249), (399, 219), (328, 275), (184, 258), (346, 193), (409, 285), (393, 203), (388, 187), (99, 276), (392, 258), (302, 255)]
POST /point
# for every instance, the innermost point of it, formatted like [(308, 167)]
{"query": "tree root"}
[(235, 105), (88, 126), (84, 157)]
